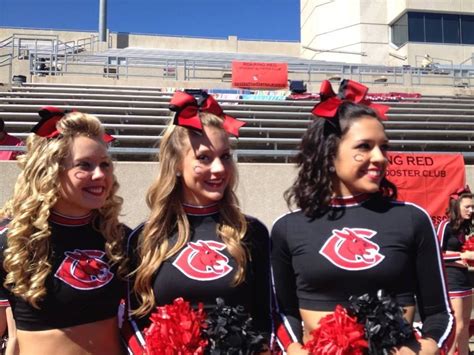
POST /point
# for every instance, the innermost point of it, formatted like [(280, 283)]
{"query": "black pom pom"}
[(382, 317), (229, 331)]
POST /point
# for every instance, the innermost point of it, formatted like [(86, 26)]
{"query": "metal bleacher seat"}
[(137, 117)]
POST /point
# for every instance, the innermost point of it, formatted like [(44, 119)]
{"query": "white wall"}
[(364, 26), (260, 189)]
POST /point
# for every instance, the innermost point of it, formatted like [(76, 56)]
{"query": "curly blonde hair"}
[(167, 215), (27, 257)]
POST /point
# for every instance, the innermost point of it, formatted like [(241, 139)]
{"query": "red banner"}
[(427, 179), (256, 75)]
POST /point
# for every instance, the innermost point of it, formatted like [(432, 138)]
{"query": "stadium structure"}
[(415, 55)]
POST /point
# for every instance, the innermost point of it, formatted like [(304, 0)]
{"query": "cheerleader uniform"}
[(360, 245), (201, 280), (458, 281), (82, 286)]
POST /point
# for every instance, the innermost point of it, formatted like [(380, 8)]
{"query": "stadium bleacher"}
[(136, 116)]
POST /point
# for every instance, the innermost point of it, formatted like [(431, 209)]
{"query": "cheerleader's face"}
[(466, 208), (207, 167), (361, 158), (87, 178)]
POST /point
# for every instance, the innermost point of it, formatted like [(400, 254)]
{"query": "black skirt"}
[(458, 279)]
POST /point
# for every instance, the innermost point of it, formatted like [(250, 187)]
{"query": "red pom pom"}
[(337, 334), (469, 246), (176, 330)]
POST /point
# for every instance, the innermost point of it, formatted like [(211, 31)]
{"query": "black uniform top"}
[(82, 287), (451, 244), (203, 270), (361, 245)]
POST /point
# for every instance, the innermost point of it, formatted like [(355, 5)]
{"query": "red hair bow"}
[(187, 111), (462, 190), (50, 116), (348, 91)]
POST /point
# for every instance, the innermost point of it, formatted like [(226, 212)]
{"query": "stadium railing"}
[(137, 116)]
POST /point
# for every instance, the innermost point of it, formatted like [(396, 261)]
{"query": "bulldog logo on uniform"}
[(84, 269), (351, 249), (202, 261)]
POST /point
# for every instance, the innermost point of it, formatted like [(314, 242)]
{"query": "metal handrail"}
[(8, 61), (63, 57), (115, 66)]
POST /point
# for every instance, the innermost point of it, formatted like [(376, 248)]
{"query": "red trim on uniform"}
[(70, 221), (451, 256), (201, 210), (460, 294), (284, 338), (450, 340), (4, 303), (440, 231), (349, 200), (130, 339)]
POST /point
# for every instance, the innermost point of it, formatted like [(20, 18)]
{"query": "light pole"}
[(103, 20)]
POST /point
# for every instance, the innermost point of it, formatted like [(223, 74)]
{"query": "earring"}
[(178, 174), (332, 169)]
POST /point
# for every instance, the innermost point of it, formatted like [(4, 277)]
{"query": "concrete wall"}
[(231, 44), (260, 189), (364, 26), (344, 26), (460, 6), (441, 53)]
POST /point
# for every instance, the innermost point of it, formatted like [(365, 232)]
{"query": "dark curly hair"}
[(312, 189), (458, 225)]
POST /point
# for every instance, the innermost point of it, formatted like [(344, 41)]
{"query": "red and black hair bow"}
[(187, 110), (50, 116), (348, 91), (462, 190)]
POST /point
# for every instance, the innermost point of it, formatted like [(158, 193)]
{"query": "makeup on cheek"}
[(198, 169), (81, 175), (358, 158)]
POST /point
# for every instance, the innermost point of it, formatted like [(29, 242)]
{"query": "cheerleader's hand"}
[(296, 349), (424, 346), (467, 255)]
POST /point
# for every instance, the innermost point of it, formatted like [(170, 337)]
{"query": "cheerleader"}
[(196, 243), (61, 241), (452, 234), (349, 236)]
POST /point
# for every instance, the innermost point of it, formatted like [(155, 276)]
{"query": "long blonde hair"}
[(167, 215), (27, 257)]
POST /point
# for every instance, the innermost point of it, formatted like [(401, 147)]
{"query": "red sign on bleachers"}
[(258, 75), (427, 179)]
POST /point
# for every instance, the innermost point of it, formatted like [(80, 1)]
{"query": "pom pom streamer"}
[(382, 317), (372, 325), (176, 330), (337, 334), (229, 331)]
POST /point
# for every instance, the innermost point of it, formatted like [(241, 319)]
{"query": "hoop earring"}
[(332, 169)]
